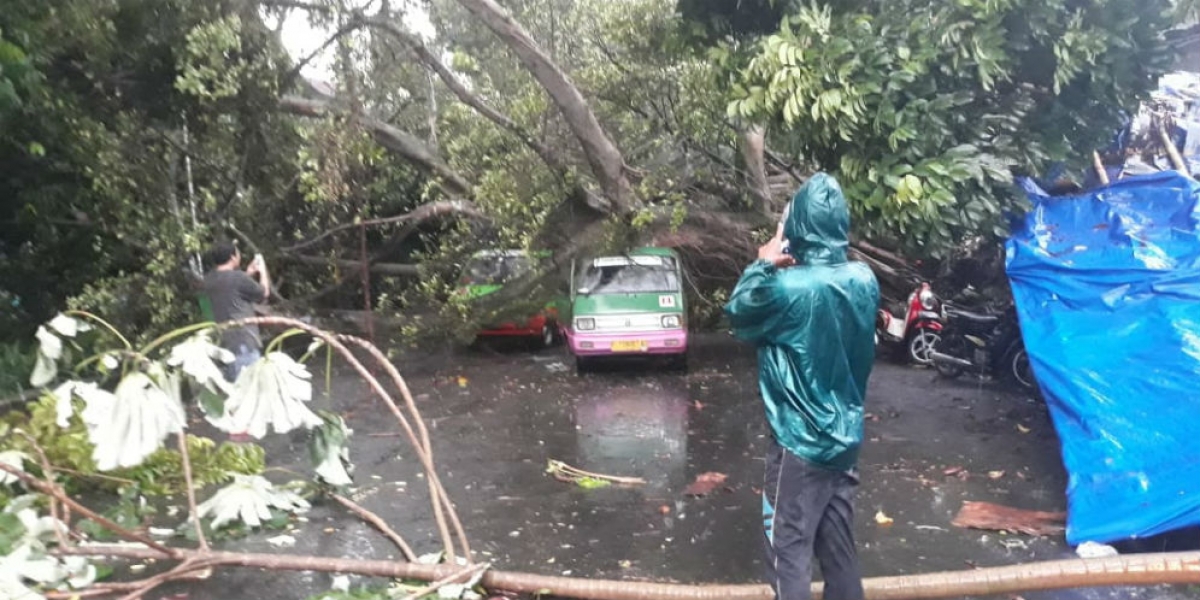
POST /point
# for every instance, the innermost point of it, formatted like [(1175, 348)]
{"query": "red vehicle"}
[(918, 329), (486, 274)]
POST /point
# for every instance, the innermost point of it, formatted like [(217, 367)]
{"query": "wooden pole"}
[(1172, 151), (1099, 166), (365, 259)]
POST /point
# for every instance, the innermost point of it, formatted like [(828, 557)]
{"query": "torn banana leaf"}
[(127, 426), (271, 393), (249, 499), (198, 358)]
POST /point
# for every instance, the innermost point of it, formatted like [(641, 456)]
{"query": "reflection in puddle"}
[(636, 431)]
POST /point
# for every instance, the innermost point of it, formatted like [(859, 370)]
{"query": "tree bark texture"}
[(1134, 569)]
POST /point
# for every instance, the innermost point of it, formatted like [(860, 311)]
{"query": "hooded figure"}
[(814, 326)]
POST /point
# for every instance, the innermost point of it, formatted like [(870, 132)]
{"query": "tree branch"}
[(379, 524), (396, 269), (423, 213), (1133, 569), (602, 154), (298, 4), (193, 514), (466, 573), (418, 48), (400, 142), (337, 35), (56, 492), (437, 494)]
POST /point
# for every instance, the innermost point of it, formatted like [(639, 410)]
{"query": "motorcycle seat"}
[(975, 317)]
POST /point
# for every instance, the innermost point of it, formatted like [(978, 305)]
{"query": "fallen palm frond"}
[(586, 479)]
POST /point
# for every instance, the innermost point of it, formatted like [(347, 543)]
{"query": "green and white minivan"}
[(628, 305)]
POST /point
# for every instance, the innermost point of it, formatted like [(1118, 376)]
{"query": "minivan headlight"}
[(585, 324), (671, 322)]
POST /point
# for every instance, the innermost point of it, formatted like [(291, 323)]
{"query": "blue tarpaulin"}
[(1107, 287)]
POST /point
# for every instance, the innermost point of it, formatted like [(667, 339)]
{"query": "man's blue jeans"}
[(243, 357)]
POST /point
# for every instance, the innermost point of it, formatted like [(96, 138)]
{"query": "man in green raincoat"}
[(811, 313)]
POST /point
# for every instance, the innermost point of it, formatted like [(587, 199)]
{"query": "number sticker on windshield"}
[(666, 301)]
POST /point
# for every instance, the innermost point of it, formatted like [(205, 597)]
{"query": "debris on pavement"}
[(995, 474), (282, 541), (960, 472), (994, 517), (568, 474), (1095, 550), (883, 520), (705, 483), (340, 583)]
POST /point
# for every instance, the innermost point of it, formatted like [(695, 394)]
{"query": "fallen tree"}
[(59, 536)]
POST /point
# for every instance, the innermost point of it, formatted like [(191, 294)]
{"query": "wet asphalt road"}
[(498, 414)]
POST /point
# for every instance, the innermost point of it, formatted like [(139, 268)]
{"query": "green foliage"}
[(160, 474), (16, 362), (102, 208), (11, 532), (130, 511), (212, 68), (925, 109)]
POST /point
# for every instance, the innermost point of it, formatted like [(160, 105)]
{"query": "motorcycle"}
[(983, 343), (918, 329)]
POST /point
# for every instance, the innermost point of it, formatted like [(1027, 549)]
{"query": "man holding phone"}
[(811, 313), (233, 294)]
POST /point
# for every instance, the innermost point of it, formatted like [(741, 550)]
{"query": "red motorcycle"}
[(918, 330)]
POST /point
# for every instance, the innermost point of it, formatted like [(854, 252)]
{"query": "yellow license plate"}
[(629, 346)]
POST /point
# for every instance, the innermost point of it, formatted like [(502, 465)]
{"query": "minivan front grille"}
[(630, 322)]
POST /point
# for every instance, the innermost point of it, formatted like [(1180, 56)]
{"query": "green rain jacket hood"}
[(814, 325)]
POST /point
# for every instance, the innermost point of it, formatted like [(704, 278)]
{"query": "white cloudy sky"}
[(301, 38)]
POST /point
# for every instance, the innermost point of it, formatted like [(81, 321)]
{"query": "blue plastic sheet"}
[(1107, 287)]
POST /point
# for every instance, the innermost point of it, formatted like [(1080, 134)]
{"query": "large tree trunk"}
[(753, 148), (466, 96), (608, 166)]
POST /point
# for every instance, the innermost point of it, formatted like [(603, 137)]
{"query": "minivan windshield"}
[(494, 270), (630, 275)]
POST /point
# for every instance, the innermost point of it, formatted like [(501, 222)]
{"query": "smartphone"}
[(785, 246)]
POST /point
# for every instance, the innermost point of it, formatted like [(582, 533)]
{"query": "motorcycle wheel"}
[(921, 345), (951, 346), (1019, 369)]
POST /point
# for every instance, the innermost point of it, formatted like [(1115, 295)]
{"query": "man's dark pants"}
[(807, 511)]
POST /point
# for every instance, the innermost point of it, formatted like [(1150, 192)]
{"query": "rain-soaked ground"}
[(497, 416)]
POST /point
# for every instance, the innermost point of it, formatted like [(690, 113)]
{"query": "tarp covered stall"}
[(1107, 287)]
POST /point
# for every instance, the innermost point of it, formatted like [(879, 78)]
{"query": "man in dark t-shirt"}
[(233, 294)]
